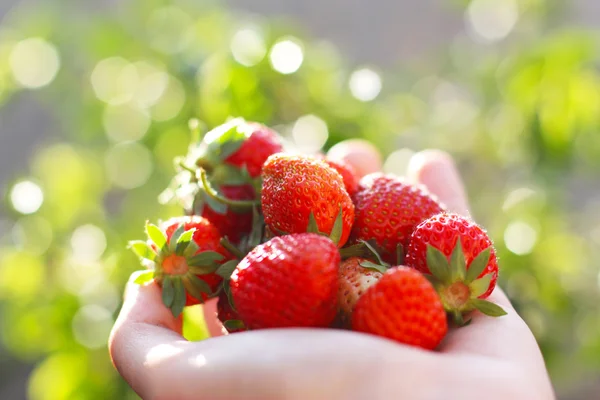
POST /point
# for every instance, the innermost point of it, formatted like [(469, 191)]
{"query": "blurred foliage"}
[(517, 102)]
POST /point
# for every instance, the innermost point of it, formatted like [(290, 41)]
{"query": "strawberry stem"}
[(237, 253), (181, 164), (241, 204)]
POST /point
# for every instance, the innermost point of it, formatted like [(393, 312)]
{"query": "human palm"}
[(492, 358)]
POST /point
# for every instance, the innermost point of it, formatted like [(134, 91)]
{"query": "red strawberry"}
[(355, 279), (184, 255), (297, 187), (347, 172), (289, 281), (261, 142), (240, 144), (232, 224), (402, 306), (228, 316), (387, 211), (462, 260)]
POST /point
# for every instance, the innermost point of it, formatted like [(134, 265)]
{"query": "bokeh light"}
[(88, 242), (286, 56), (26, 197), (491, 20), (92, 325), (33, 234), (125, 123), (170, 103), (520, 237), (310, 134), (512, 98), (129, 165), (169, 29), (34, 62), (248, 47), (114, 80), (365, 84)]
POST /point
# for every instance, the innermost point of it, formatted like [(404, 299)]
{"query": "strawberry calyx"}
[(460, 288), (175, 264), (235, 205), (222, 142), (234, 325), (367, 251), (336, 230)]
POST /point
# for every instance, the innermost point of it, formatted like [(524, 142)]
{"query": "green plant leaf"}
[(312, 226), (458, 319), (204, 269), (144, 277), (478, 265), (191, 249), (168, 291), (226, 269), (338, 227), (205, 258), (184, 241), (215, 205), (156, 235), (438, 264), (196, 286), (256, 234), (175, 238), (234, 324), (225, 174), (481, 285), (400, 254), (458, 265), (374, 252), (372, 266), (178, 297), (488, 308), (142, 249), (227, 290)]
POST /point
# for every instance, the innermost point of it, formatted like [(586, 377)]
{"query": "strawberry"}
[(184, 256), (402, 306), (228, 316), (387, 211), (347, 172), (354, 279), (230, 157), (461, 259), (289, 281), (301, 193), (238, 143), (231, 223)]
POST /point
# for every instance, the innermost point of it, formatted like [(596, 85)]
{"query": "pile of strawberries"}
[(290, 240)]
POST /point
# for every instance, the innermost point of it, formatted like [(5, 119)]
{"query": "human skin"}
[(492, 358)]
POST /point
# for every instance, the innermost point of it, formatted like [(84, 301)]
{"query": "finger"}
[(436, 170), (145, 332), (359, 153), (294, 364), (214, 326)]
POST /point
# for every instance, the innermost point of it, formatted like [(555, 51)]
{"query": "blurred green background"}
[(515, 98)]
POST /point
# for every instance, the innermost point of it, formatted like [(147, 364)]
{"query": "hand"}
[(492, 358)]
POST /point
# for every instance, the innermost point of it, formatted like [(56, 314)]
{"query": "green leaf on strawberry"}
[(234, 325), (459, 287), (144, 277), (182, 260)]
